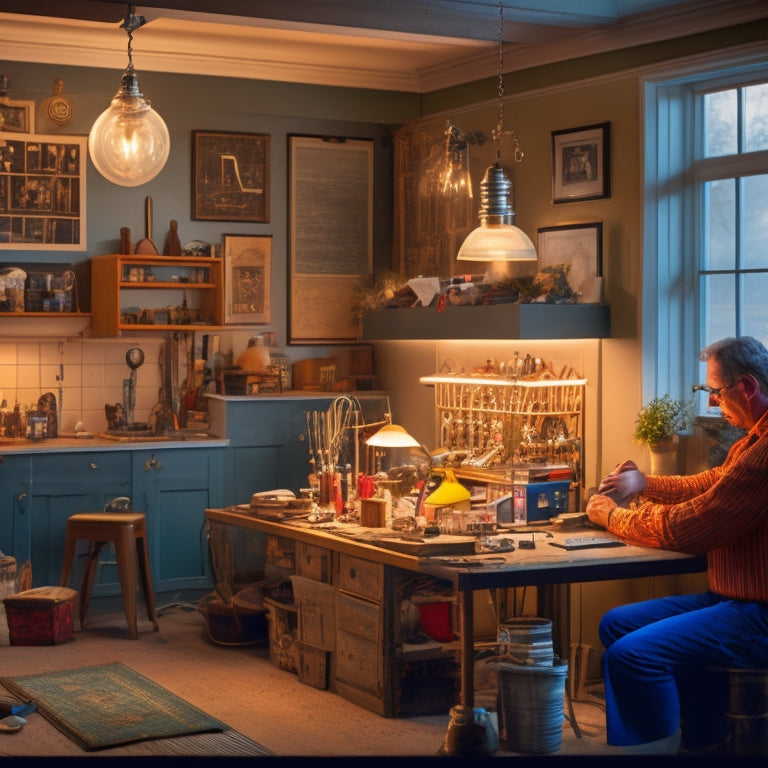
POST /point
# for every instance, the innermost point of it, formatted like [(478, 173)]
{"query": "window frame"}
[(671, 324)]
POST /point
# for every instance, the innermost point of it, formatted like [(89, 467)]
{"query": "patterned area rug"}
[(106, 705)]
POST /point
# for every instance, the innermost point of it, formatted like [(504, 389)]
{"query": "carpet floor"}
[(239, 686)]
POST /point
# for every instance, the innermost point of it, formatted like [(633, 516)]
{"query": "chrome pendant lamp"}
[(129, 142), (497, 238)]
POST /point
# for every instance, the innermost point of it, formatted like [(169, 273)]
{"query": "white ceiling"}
[(403, 45)]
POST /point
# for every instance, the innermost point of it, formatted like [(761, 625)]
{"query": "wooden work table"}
[(450, 559)]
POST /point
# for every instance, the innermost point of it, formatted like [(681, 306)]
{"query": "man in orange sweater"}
[(657, 650)]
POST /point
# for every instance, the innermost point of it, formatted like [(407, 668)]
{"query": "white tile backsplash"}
[(93, 373)]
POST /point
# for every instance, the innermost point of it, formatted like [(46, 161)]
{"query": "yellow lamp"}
[(451, 499)]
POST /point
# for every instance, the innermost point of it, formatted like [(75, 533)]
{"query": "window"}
[(706, 218)]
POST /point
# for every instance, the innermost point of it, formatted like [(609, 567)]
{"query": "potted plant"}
[(658, 426)]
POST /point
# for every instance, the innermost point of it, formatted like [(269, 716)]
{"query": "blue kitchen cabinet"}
[(59, 485), (174, 487), (268, 447), (15, 474)]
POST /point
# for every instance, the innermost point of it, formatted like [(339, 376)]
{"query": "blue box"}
[(541, 501)]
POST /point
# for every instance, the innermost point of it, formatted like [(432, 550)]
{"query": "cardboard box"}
[(41, 616)]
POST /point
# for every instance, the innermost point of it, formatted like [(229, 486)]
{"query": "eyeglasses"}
[(713, 391)]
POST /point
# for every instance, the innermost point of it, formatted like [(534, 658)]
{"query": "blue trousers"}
[(655, 655)]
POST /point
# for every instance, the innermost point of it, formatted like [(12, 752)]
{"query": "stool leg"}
[(126, 569), (142, 555), (70, 544), (89, 574)]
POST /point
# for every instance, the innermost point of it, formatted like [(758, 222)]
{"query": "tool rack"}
[(488, 420)]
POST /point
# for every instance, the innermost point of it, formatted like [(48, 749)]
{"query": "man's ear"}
[(751, 385)]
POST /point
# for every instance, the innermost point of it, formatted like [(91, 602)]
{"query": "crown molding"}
[(342, 58)]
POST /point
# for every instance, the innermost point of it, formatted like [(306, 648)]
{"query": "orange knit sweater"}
[(722, 512)]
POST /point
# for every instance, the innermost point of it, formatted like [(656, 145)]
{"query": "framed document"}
[(247, 263), (331, 236)]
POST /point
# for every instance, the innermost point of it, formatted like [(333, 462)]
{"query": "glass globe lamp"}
[(129, 142)]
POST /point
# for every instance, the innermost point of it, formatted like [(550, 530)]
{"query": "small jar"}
[(37, 425)]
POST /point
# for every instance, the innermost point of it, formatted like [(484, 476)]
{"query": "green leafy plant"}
[(661, 419)]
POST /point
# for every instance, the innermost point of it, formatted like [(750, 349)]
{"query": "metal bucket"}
[(747, 712), (532, 704)]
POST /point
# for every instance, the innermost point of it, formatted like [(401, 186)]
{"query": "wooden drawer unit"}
[(314, 562), (280, 558), (360, 577), (316, 605), (359, 653)]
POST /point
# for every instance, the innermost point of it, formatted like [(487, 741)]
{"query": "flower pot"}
[(665, 456)]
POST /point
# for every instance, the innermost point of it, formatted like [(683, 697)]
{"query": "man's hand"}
[(599, 508), (623, 482)]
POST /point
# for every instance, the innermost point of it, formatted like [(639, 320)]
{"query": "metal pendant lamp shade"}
[(497, 238), (129, 142)]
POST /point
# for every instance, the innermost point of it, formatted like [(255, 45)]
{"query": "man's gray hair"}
[(740, 356)]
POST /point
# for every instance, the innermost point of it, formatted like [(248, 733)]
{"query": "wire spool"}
[(527, 641)]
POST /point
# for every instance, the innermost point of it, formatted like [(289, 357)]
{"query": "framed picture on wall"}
[(42, 197), (581, 163), (247, 263), (230, 176), (16, 116), (580, 247), (331, 236)]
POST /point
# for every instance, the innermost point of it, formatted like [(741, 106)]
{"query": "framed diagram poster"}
[(42, 192), (230, 176), (331, 236), (247, 262)]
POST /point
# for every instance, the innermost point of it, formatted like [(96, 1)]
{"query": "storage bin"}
[(545, 500), (41, 616)]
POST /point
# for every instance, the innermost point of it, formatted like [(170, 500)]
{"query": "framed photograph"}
[(247, 261), (581, 163), (16, 116), (331, 236), (230, 176), (580, 246), (42, 192)]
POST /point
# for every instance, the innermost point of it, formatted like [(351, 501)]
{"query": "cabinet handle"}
[(151, 464), (19, 499), (93, 465), (301, 438)]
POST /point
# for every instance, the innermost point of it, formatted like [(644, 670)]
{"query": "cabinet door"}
[(15, 474), (60, 485), (174, 487)]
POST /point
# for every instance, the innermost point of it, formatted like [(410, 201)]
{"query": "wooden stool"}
[(127, 530)]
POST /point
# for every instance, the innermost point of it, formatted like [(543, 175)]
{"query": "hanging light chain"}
[(131, 23), (499, 132)]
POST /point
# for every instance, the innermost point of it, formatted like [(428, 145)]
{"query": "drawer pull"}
[(352, 573), (93, 465)]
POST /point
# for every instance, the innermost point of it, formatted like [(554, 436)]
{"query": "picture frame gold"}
[(16, 116), (247, 266), (581, 163), (331, 236), (230, 176)]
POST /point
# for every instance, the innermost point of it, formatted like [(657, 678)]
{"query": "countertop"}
[(183, 439)]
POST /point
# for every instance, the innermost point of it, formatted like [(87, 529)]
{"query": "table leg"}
[(465, 737), (467, 628)]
